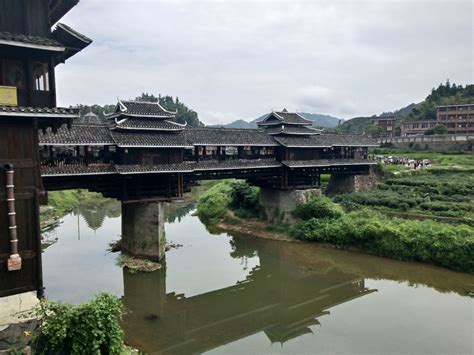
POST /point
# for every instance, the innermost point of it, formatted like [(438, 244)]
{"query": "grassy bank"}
[(323, 221)]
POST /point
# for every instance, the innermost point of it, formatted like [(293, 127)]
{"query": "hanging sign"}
[(8, 96)]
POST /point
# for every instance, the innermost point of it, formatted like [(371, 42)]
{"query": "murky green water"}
[(228, 294)]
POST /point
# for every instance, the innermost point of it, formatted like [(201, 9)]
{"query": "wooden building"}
[(29, 52), (459, 119)]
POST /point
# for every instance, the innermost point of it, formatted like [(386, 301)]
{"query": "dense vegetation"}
[(447, 245), (89, 328), (227, 195)]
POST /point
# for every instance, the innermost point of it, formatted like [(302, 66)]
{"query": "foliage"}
[(228, 194), (318, 207), (438, 129), (244, 200), (213, 204), (444, 94), (447, 245), (184, 113), (89, 328)]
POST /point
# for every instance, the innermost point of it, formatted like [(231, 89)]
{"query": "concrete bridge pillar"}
[(342, 183), (277, 205), (143, 230)]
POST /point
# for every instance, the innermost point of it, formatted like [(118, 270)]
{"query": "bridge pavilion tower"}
[(30, 49), (146, 135)]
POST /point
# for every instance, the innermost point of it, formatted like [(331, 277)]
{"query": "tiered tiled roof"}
[(146, 116), (149, 124), (228, 136), (145, 139), (141, 109), (284, 117), (77, 135)]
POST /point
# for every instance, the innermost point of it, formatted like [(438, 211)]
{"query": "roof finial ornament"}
[(284, 110)]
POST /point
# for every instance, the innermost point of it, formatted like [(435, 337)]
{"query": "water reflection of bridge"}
[(279, 297)]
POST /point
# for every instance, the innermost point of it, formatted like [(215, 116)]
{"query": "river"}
[(230, 294)]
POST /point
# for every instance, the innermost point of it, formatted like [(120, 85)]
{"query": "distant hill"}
[(325, 121)]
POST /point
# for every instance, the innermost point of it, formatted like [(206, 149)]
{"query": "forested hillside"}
[(444, 94)]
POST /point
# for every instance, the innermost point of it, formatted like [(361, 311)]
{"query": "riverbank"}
[(424, 216)]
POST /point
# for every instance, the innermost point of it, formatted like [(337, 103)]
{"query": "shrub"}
[(213, 204), (90, 328), (447, 245), (318, 207), (244, 197)]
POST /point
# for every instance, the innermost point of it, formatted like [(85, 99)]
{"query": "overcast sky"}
[(239, 59)]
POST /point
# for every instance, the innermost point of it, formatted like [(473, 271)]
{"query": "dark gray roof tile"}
[(141, 108), (228, 136), (77, 135), (21, 39), (149, 124), (77, 170), (129, 138), (326, 141), (39, 111)]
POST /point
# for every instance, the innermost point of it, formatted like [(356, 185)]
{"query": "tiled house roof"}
[(148, 124), (228, 136), (149, 139), (141, 109), (77, 135), (21, 40), (325, 141), (39, 112), (292, 130), (284, 117)]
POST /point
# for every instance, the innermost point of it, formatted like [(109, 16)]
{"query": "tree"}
[(438, 129), (183, 113)]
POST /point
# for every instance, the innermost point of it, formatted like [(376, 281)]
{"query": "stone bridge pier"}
[(277, 206), (143, 230)]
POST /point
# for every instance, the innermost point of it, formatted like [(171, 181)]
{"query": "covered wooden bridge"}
[(141, 152)]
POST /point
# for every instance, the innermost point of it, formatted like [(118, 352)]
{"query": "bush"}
[(318, 207), (244, 197), (213, 204), (447, 245), (90, 328)]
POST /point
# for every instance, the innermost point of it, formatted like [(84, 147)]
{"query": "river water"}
[(230, 294)]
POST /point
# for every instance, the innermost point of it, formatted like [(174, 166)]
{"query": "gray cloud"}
[(240, 59)]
